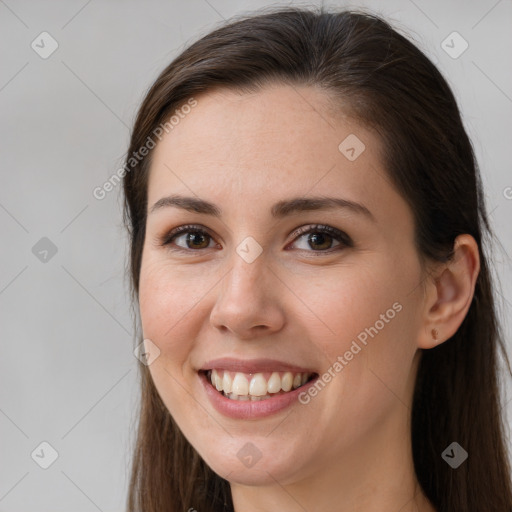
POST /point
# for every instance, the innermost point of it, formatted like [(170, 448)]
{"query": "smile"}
[(257, 386), (251, 389)]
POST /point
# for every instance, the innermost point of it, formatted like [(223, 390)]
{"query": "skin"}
[(349, 448)]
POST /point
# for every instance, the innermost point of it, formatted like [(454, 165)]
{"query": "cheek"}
[(373, 316), (168, 297), (163, 312), (362, 311), (332, 306), (349, 300), (167, 308), (173, 307), (371, 305)]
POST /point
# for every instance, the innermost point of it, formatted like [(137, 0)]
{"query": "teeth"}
[(233, 396), (241, 386), (217, 382), (258, 385), (274, 383), (287, 381), (227, 382)]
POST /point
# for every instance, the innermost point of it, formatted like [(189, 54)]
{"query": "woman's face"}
[(345, 306)]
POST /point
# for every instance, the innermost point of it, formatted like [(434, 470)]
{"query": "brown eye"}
[(196, 240), (322, 241), (321, 238), (193, 238)]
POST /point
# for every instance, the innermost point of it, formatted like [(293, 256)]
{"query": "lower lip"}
[(247, 409)]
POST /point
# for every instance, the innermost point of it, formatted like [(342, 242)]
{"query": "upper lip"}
[(252, 365)]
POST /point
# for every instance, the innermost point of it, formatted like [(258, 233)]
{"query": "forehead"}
[(258, 147)]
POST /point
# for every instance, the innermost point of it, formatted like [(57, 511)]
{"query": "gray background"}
[(67, 371)]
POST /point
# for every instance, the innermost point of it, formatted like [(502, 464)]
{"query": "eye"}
[(195, 237), (321, 237)]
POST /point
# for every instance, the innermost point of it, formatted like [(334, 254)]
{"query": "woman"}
[(307, 230)]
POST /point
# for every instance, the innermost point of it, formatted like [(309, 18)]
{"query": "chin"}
[(246, 465), (258, 475)]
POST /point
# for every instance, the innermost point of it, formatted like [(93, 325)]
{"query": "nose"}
[(248, 304)]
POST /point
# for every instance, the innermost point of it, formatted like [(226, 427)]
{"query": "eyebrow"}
[(280, 209)]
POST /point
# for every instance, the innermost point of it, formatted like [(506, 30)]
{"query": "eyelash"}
[(343, 238)]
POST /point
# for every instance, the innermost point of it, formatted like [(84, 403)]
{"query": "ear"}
[(449, 293)]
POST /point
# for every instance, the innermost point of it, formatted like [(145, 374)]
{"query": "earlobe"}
[(450, 293)]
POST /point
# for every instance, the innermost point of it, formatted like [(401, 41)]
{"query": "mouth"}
[(261, 386)]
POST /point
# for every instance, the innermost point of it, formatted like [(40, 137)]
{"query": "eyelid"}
[(167, 237), (323, 228), (341, 236)]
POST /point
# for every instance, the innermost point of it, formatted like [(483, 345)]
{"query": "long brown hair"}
[(391, 86)]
